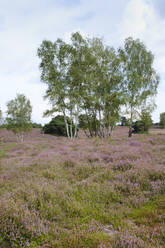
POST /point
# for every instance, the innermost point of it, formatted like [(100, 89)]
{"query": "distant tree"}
[(124, 121), (146, 120), (57, 126), (1, 117), (18, 118), (162, 120), (36, 125), (143, 125), (140, 78)]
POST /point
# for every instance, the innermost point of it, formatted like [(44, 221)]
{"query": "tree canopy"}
[(86, 78), (162, 120), (83, 77), (1, 117), (140, 78), (19, 115), (144, 123)]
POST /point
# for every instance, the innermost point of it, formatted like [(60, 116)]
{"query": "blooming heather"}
[(88, 193)]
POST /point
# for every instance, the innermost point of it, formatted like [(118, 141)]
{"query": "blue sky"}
[(24, 24)]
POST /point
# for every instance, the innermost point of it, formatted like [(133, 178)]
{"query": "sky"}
[(24, 24)]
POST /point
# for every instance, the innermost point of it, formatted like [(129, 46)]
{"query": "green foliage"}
[(162, 120), (1, 118), (138, 127), (90, 79), (19, 115), (83, 121), (143, 125), (82, 77), (124, 121), (36, 125), (90, 123), (2, 154), (140, 78), (146, 120), (4, 125), (56, 126), (149, 213)]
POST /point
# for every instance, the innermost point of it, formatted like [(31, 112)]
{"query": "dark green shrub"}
[(57, 126), (124, 121), (138, 127), (36, 125), (162, 120), (143, 125)]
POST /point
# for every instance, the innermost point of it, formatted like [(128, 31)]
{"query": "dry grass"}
[(157, 131)]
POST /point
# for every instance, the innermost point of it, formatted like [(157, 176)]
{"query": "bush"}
[(143, 125), (124, 121), (162, 120), (57, 126), (36, 125)]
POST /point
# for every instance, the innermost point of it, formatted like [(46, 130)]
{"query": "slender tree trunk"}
[(71, 133), (67, 128), (66, 125), (109, 130), (75, 131), (95, 125), (130, 126), (109, 126), (17, 136), (89, 125), (86, 133), (22, 137), (76, 123), (71, 126), (130, 131), (100, 125)]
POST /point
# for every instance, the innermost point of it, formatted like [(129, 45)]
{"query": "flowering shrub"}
[(88, 193)]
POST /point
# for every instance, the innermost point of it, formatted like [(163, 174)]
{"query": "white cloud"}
[(24, 24), (135, 18), (140, 20)]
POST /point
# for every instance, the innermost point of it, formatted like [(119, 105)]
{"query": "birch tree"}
[(18, 119), (54, 68), (140, 78)]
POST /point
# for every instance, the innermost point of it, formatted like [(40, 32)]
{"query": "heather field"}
[(85, 193)]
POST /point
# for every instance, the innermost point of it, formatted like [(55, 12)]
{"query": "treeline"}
[(89, 82)]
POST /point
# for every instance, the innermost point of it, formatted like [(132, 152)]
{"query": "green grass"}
[(4, 148), (2, 154), (150, 212)]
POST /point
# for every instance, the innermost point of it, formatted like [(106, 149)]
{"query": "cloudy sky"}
[(25, 23)]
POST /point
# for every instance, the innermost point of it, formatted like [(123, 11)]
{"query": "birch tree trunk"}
[(130, 126), (66, 125)]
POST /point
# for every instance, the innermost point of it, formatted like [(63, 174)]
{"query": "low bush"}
[(57, 126), (143, 125)]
